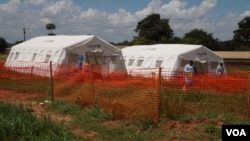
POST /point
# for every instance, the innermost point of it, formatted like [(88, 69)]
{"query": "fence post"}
[(248, 96), (51, 81), (92, 82), (158, 95), (31, 71)]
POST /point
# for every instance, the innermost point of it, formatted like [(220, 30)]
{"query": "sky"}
[(116, 20)]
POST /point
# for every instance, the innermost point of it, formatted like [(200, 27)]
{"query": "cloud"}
[(122, 18), (62, 10), (152, 7), (34, 2), (223, 25), (9, 8), (182, 18), (246, 14), (118, 26)]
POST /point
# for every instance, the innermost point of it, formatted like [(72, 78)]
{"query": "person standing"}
[(220, 69), (80, 62), (189, 73)]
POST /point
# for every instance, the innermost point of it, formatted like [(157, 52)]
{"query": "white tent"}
[(66, 50), (171, 57)]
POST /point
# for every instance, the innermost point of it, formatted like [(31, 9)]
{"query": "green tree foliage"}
[(51, 27), (152, 29), (197, 36), (141, 41), (172, 40), (241, 39), (227, 45), (3, 44), (124, 43)]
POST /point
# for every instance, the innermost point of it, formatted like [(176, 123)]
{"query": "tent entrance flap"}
[(94, 58), (201, 66)]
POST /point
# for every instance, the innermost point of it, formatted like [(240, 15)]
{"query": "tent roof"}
[(160, 49), (55, 42)]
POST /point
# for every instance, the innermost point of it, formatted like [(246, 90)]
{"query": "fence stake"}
[(92, 82), (31, 71), (158, 92), (248, 96), (51, 81)]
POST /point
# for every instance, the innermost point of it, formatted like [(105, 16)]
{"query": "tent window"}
[(16, 55), (114, 62), (131, 61), (56, 56), (113, 59), (125, 59), (48, 56), (158, 62), (140, 61), (34, 57), (11, 55), (41, 56)]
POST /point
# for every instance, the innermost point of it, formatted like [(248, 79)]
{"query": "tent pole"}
[(158, 94), (248, 96), (51, 81)]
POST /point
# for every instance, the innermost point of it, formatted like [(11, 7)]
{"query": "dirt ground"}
[(40, 110)]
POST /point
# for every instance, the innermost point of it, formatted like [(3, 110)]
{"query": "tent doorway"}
[(201, 67), (94, 58)]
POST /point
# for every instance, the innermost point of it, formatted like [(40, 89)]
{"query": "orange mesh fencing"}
[(20, 82), (142, 93)]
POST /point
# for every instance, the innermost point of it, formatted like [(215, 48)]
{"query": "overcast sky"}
[(115, 20)]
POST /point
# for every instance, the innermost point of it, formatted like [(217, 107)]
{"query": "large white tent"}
[(171, 57), (66, 50)]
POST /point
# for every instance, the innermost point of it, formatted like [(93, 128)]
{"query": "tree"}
[(141, 41), (124, 43), (51, 27), (241, 37), (153, 29), (198, 36), (172, 40), (3, 44), (227, 45)]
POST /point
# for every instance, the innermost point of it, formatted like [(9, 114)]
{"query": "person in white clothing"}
[(220, 69), (189, 71)]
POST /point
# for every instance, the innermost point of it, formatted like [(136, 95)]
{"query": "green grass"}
[(63, 107), (233, 67), (17, 123), (176, 105), (24, 86), (106, 127), (96, 120), (3, 56)]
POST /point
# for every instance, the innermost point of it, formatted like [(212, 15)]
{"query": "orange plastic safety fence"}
[(133, 94), (20, 83)]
